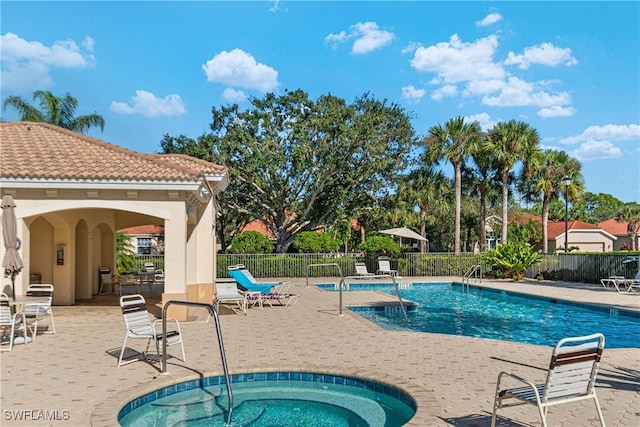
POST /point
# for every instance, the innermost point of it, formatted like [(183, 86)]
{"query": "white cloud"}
[(368, 37), (606, 132), (446, 91), (26, 64), (275, 5), (483, 119), (556, 111), (596, 150), (411, 47), (455, 61), (148, 105), (234, 95), (239, 68), (545, 54), (518, 93), (491, 18), (412, 94)]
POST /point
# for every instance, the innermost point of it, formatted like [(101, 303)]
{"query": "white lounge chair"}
[(621, 284), (227, 292), (384, 266), (8, 321), (279, 293), (139, 326), (571, 377), (361, 270), (33, 312)]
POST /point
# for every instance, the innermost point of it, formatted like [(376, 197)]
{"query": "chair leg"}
[(543, 415), (124, 345), (600, 417), (53, 325), (496, 403)]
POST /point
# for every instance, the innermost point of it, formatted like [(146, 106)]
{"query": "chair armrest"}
[(518, 378), (169, 319)]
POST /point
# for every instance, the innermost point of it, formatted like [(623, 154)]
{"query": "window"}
[(144, 246)]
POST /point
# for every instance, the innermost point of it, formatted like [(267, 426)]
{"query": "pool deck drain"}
[(71, 378)]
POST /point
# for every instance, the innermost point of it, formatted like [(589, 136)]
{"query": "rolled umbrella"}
[(11, 263)]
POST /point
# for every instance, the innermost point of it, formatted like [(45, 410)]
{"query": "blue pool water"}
[(447, 308), (273, 399)]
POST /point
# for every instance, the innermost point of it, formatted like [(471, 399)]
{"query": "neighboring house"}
[(621, 231), (146, 239), (74, 192), (582, 236)]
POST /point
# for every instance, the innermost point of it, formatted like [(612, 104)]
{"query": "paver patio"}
[(73, 377)]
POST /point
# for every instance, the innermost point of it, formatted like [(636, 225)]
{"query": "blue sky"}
[(569, 69)]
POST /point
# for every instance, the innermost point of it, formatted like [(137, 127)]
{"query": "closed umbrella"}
[(11, 263)]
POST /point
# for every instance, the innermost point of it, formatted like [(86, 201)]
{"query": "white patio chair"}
[(361, 270), (571, 377), (33, 312), (139, 326), (106, 280), (227, 292), (7, 322), (384, 266)]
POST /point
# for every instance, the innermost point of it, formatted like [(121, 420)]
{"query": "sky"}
[(571, 70)]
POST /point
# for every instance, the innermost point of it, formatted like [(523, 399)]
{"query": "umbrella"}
[(12, 263), (403, 232)]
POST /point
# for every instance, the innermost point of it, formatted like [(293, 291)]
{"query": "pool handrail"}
[(377, 276), (332, 264), (223, 356)]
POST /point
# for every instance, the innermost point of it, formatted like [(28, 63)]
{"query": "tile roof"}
[(40, 151), (144, 229), (617, 228)]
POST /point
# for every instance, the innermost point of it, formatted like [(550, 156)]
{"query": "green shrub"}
[(313, 242), (250, 242), (512, 259), (381, 245)]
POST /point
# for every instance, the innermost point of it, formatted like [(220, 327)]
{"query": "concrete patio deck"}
[(72, 376)]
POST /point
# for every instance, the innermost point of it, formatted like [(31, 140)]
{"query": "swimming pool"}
[(273, 399), (448, 308)]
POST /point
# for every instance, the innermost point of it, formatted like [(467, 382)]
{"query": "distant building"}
[(146, 239), (620, 229)]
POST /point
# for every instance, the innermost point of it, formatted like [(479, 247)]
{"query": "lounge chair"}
[(33, 312), (571, 377), (139, 326), (227, 293), (279, 293), (243, 276), (384, 266), (621, 284), (8, 321), (361, 270)]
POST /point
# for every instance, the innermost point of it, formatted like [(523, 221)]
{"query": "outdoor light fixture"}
[(567, 181)]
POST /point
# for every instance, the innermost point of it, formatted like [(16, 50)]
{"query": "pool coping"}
[(427, 407)]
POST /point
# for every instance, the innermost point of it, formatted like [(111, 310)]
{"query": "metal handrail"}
[(223, 356), (473, 271), (323, 265), (377, 276)]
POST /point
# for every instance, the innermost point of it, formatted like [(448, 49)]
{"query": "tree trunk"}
[(546, 202), (505, 205), (458, 172), (423, 226), (483, 217)]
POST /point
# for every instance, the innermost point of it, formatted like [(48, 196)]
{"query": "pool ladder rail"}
[(214, 313), (475, 272)]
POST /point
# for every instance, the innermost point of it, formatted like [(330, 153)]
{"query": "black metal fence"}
[(585, 268)]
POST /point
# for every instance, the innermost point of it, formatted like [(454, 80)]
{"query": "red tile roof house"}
[(74, 192), (621, 231), (582, 236), (146, 239)]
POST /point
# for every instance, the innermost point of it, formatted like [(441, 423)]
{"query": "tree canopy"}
[(297, 164)]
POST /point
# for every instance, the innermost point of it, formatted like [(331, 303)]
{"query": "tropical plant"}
[(381, 245), (300, 164), (630, 213), (512, 259), (250, 242), (508, 143), (549, 178), (315, 242), (55, 110), (454, 142), (125, 255)]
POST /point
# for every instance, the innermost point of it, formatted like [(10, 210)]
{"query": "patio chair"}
[(243, 276), (106, 280), (147, 279), (279, 293), (33, 312), (227, 293), (139, 326), (361, 270), (384, 266), (7, 322), (131, 280), (571, 377)]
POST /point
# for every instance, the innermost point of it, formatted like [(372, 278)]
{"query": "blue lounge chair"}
[(243, 276)]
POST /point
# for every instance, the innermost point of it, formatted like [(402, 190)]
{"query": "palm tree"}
[(630, 213), (508, 143), (454, 142), (55, 110), (425, 188), (548, 180)]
